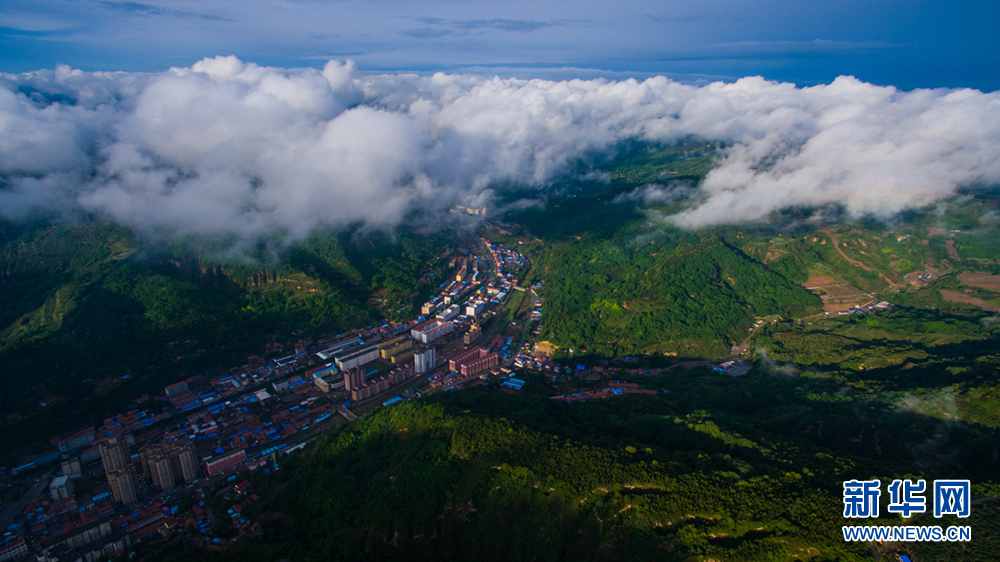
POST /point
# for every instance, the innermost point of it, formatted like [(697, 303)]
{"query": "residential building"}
[(124, 487), (449, 313), (474, 361), (72, 442), (354, 379), (396, 349), (217, 465), (13, 549), (474, 333), (176, 388), (424, 360), (61, 488), (71, 467), (431, 331), (114, 453), (355, 358), (164, 464), (362, 389)]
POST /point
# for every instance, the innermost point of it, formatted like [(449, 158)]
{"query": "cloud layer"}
[(231, 149)]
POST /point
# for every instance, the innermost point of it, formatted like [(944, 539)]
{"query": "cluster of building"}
[(882, 306), (142, 464), (362, 387), (474, 361), (733, 368), (92, 529), (208, 427), (612, 390), (431, 331), (508, 263)]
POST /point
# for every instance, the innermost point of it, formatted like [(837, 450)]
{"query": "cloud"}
[(507, 24), (693, 18), (501, 24), (138, 8), (239, 151), (426, 32), (27, 22), (657, 194)]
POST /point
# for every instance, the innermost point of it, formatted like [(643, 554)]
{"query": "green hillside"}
[(92, 318), (621, 280), (721, 468), (691, 298)]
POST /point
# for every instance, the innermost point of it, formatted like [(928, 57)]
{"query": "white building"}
[(475, 308), (432, 331), (356, 358), (424, 360), (450, 313), (61, 488)]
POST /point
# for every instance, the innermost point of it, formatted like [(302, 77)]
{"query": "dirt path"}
[(836, 244)]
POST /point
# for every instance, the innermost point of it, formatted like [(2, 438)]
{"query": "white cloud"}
[(657, 194), (228, 148)]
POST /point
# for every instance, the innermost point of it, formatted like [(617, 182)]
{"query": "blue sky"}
[(908, 44)]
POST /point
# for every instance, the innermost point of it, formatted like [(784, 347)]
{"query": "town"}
[(177, 462)]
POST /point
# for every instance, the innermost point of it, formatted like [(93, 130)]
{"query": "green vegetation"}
[(661, 297), (89, 322), (721, 468), (620, 280), (647, 163)]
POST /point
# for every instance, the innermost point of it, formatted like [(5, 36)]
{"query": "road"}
[(527, 322), (836, 244), (11, 511), (345, 412), (743, 346)]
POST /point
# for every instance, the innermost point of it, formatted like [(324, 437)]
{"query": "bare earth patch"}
[(837, 295), (952, 250), (817, 281), (838, 306), (934, 231), (982, 280), (955, 296)]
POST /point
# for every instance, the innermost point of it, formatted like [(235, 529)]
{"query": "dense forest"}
[(734, 469), (660, 296)]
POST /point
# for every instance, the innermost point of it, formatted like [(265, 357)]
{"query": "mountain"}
[(743, 469), (93, 316)]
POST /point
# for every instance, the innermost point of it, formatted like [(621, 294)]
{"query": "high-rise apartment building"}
[(166, 463), (114, 453), (123, 485)]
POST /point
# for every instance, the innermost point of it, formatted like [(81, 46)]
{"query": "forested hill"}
[(661, 297), (619, 280), (747, 469), (91, 312)]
